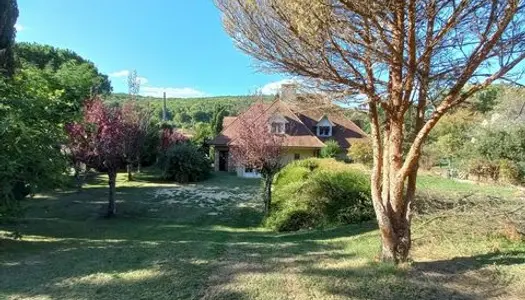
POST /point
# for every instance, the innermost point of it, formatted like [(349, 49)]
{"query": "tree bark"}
[(268, 179), (393, 219), (78, 178), (129, 168), (395, 236), (387, 185), (112, 205)]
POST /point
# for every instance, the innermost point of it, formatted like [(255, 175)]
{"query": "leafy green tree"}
[(485, 101), (450, 137), (182, 118), (510, 109), (32, 115), (200, 116), (494, 144), (63, 64), (219, 112), (8, 17), (203, 133)]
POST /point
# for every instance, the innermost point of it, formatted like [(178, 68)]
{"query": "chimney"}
[(289, 92), (164, 109)]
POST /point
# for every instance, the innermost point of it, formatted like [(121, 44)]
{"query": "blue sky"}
[(177, 46)]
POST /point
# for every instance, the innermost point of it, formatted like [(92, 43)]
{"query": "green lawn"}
[(201, 241)]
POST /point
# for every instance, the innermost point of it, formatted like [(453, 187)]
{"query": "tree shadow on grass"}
[(174, 262), (474, 277), (155, 251), (151, 250)]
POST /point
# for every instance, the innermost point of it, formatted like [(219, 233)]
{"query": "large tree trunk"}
[(112, 205), (129, 168), (388, 188), (139, 162), (78, 177), (395, 236), (393, 216)]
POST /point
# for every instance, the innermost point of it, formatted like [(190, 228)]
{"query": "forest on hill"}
[(188, 112)]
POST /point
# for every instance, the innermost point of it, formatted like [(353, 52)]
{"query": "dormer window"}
[(324, 127), (278, 124), (278, 127), (325, 131)]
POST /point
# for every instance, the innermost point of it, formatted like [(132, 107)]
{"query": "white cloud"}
[(171, 92), (273, 88), (124, 75), (142, 80), (19, 27), (119, 74), (151, 91)]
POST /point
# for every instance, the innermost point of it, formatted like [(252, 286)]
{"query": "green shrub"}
[(510, 172), (310, 164), (317, 193), (184, 163), (331, 149), (361, 152), (292, 220), (483, 169), (289, 175), (340, 197)]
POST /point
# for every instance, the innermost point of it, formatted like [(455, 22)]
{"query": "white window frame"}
[(319, 133), (278, 127)]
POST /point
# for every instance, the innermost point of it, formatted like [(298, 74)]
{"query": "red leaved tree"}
[(98, 142), (78, 149), (170, 137), (257, 147), (136, 121)]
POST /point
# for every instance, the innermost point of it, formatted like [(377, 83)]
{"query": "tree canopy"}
[(8, 17)]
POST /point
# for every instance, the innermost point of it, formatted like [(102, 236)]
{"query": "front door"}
[(223, 161)]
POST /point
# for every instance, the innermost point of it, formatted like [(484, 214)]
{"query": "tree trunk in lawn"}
[(391, 205), (112, 205), (393, 217), (267, 194), (129, 168), (139, 164), (78, 178)]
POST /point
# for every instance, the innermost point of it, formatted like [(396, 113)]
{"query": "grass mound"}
[(319, 193)]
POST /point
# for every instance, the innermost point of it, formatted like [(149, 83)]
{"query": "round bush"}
[(330, 194), (509, 172), (184, 163), (361, 152), (331, 150)]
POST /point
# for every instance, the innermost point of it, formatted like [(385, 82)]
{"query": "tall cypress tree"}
[(8, 17)]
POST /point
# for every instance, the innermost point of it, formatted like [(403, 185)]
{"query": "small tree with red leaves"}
[(170, 137), (257, 147), (136, 121), (98, 141)]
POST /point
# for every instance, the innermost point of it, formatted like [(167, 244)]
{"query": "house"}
[(306, 128)]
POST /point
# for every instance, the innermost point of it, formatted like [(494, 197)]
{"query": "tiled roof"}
[(301, 126), (344, 131), (227, 121)]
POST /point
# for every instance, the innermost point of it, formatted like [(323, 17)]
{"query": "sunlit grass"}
[(165, 250)]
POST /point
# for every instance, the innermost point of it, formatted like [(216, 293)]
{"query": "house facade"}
[(306, 129)]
